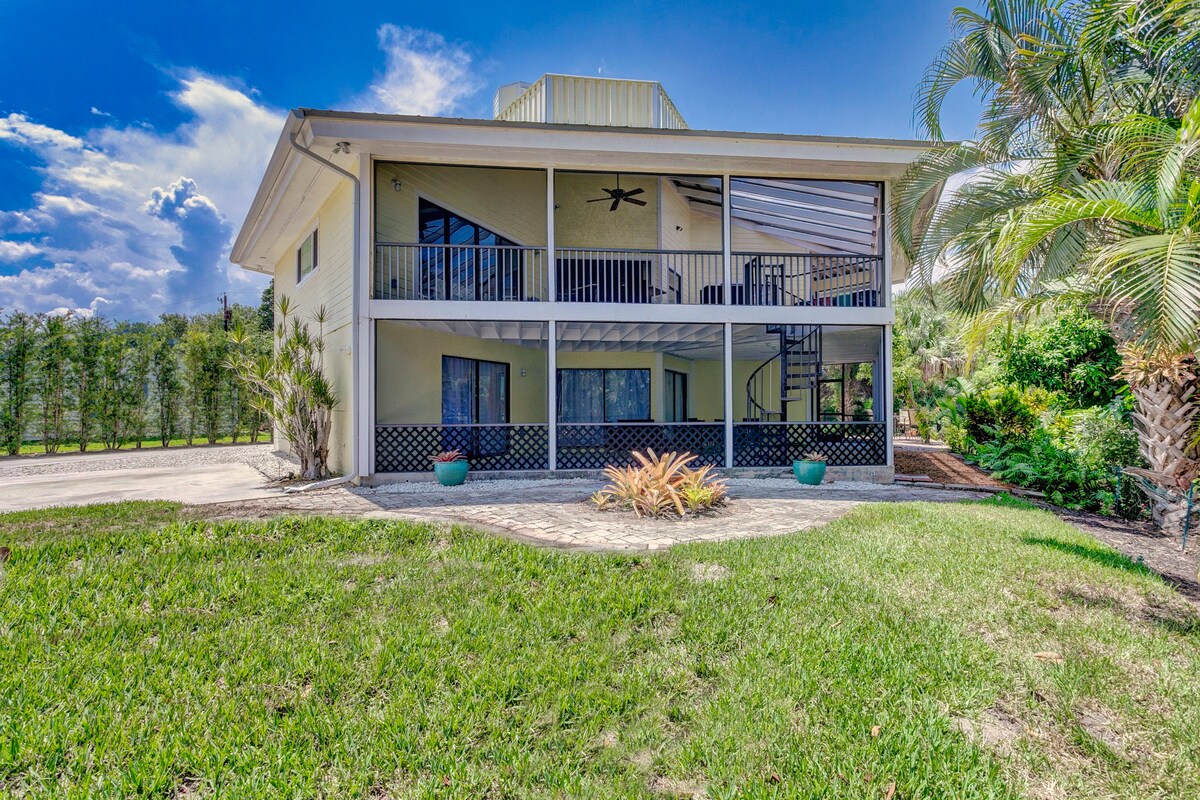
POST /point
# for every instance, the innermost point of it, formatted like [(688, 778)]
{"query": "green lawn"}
[(142, 655)]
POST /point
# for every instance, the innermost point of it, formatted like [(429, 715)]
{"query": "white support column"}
[(372, 371), (552, 392), (727, 362), (885, 361), (726, 245), (885, 355), (363, 371), (551, 261), (885, 245)]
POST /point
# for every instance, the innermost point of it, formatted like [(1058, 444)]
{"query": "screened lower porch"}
[(518, 396)]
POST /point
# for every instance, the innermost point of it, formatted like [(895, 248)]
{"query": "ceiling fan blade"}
[(616, 202), (628, 199), (632, 192), (600, 200)]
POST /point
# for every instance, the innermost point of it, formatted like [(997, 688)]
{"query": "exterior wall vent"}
[(577, 100)]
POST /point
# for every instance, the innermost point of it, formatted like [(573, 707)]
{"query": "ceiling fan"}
[(618, 194)]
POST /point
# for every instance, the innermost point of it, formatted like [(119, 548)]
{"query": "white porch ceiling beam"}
[(628, 312)]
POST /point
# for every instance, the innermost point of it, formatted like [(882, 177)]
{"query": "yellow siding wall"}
[(677, 214), (511, 202), (578, 223), (329, 285), (409, 373), (409, 368)]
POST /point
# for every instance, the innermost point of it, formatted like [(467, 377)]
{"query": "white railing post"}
[(551, 260), (726, 245), (727, 362)]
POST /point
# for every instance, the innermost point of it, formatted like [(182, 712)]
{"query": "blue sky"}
[(133, 135)]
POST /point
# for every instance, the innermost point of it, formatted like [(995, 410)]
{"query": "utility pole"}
[(227, 315)]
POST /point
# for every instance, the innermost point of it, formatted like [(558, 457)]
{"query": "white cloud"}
[(424, 74), (137, 221), (100, 234), (14, 251)]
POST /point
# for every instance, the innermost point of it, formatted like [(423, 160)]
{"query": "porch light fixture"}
[(396, 184), (523, 373), (341, 147)]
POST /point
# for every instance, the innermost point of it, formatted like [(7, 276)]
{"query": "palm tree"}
[(1141, 269), (1055, 199)]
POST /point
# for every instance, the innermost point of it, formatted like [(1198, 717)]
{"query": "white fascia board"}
[(268, 192), (568, 146), (628, 312)]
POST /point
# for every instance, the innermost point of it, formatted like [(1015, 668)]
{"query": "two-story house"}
[(582, 276)]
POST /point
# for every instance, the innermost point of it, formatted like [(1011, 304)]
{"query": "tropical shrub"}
[(50, 370), (661, 484), (1002, 413), (1039, 462), (1071, 353), (17, 348), (87, 339), (288, 386)]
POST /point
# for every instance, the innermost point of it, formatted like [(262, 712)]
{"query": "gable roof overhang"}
[(294, 187)]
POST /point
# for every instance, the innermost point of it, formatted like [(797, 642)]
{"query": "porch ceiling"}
[(698, 342), (819, 216)]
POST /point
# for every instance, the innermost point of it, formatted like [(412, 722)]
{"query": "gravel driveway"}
[(214, 474)]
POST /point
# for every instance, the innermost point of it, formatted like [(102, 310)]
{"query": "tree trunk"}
[(1164, 416)]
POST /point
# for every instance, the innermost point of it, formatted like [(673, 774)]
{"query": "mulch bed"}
[(941, 467)]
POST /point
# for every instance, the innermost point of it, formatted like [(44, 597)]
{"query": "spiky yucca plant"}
[(289, 387)]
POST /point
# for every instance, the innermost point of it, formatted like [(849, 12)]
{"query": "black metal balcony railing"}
[(674, 277), (792, 279), (844, 444), (590, 275), (459, 272)]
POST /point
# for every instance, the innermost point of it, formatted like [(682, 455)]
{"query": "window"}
[(474, 391), (675, 397), (306, 257), (604, 395), (846, 392), (467, 261)]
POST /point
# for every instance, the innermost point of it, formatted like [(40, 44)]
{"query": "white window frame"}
[(313, 231)]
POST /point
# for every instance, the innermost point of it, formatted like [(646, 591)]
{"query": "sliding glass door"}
[(604, 395), (474, 392)]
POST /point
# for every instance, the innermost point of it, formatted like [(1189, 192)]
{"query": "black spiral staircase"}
[(799, 360)]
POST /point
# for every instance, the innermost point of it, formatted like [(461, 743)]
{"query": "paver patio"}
[(557, 513)]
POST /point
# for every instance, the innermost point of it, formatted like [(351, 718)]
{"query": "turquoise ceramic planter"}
[(809, 472), (451, 473)]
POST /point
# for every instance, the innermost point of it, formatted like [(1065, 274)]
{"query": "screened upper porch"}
[(486, 234)]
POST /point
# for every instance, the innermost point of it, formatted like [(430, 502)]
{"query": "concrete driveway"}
[(216, 474)]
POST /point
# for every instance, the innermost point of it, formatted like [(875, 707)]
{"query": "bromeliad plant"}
[(662, 484), (447, 457)]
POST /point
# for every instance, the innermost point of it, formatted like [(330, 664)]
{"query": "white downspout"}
[(355, 330)]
